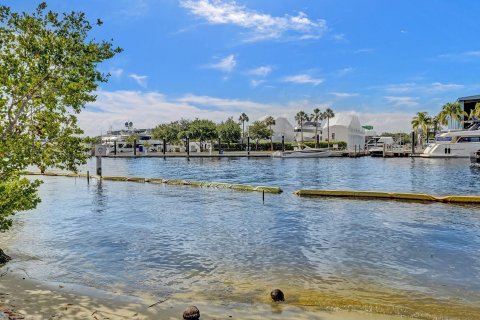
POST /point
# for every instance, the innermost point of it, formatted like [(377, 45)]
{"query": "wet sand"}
[(24, 298)]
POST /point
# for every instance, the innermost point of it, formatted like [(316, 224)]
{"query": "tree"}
[(270, 121), (327, 115), (475, 112), (203, 130), (229, 131), (243, 118), (48, 72), (259, 130), (167, 131), (301, 117), (317, 116), (422, 121), (451, 110), (436, 126)]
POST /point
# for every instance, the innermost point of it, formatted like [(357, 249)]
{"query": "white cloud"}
[(262, 26), (402, 101), (363, 50), (438, 86), (226, 64), (427, 88), (387, 121), (133, 8), (140, 80), (303, 79), (344, 94), (116, 72), (345, 71), (339, 37), (256, 83), (262, 71), (461, 56), (148, 109)]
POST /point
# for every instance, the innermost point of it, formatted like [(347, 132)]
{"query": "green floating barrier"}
[(387, 195), (177, 182)]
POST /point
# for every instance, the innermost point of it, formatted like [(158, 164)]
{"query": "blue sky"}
[(384, 60)]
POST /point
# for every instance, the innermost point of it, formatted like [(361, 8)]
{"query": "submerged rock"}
[(277, 295), (3, 257), (191, 313)]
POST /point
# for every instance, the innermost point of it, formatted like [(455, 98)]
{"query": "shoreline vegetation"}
[(25, 298)]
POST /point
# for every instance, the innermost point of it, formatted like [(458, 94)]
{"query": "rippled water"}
[(227, 245)]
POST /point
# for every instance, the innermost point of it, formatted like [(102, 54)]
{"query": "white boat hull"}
[(309, 153), (450, 150)]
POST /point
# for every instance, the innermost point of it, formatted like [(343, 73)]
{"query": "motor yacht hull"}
[(310, 153)]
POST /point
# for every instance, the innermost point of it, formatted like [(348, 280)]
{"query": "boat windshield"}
[(443, 139)]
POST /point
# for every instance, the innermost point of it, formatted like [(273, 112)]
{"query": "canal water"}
[(408, 258)]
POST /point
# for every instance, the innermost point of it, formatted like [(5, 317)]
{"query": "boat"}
[(121, 141), (303, 153), (377, 145), (455, 143), (475, 158)]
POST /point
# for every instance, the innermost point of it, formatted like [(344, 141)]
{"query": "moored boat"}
[(304, 153), (455, 143)]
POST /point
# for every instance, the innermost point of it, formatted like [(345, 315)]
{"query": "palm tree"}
[(243, 118), (317, 116), (453, 111), (300, 117), (327, 115), (270, 121), (436, 126), (475, 113), (422, 121)]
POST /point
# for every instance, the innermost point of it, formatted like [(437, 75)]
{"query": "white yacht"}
[(375, 145), (455, 143), (308, 130), (306, 152), (119, 139)]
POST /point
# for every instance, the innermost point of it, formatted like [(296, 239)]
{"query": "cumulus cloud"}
[(262, 26), (303, 79), (140, 80), (226, 64), (148, 109), (262, 71)]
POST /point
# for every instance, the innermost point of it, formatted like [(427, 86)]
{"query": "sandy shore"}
[(28, 299)]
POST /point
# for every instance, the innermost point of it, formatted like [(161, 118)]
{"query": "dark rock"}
[(277, 295), (191, 313), (3, 257)]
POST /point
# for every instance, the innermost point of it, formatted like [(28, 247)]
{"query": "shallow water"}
[(416, 259)]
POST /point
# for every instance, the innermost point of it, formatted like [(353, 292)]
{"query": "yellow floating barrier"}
[(387, 195), (114, 178), (178, 182)]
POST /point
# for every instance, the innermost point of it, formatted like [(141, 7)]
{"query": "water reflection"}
[(167, 239)]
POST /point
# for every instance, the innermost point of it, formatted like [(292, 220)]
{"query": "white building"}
[(345, 127), (281, 128)]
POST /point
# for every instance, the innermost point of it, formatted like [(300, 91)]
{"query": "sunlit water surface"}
[(417, 259)]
